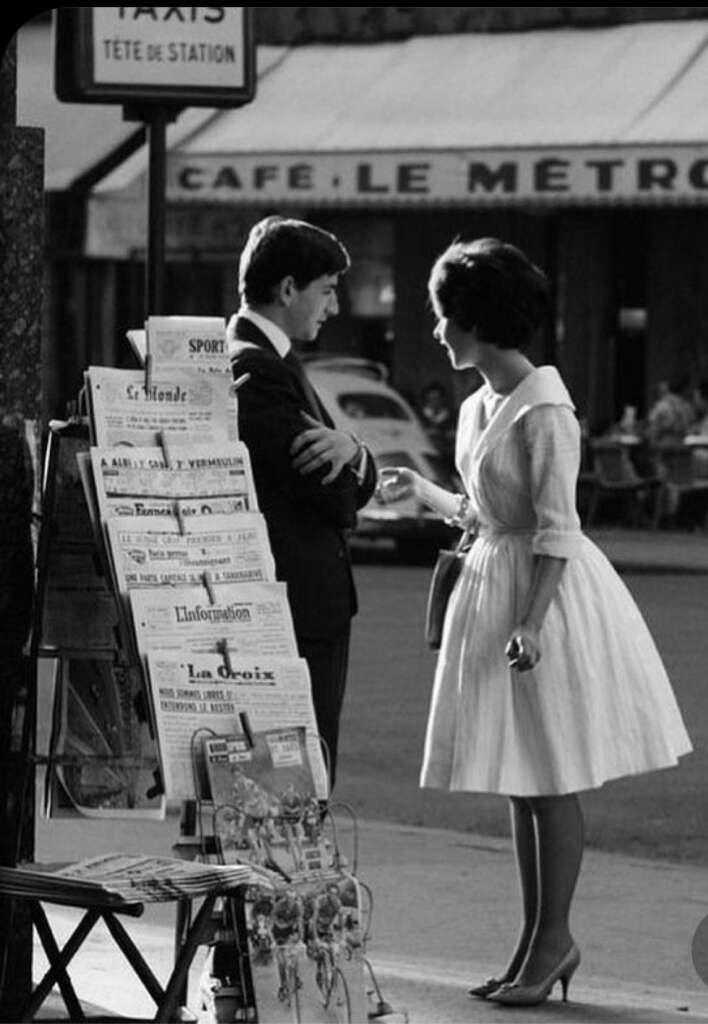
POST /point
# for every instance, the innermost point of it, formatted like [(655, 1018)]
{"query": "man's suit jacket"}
[(306, 519)]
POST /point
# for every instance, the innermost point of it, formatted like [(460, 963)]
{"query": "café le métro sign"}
[(556, 175), (183, 56)]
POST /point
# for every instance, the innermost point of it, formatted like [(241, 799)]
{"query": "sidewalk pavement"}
[(654, 550), (446, 916)]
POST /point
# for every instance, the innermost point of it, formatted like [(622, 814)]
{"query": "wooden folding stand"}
[(168, 999)]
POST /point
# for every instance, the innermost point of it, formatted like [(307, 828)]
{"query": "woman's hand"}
[(523, 649), (396, 483)]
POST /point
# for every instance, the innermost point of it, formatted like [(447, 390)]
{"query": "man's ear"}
[(285, 290)]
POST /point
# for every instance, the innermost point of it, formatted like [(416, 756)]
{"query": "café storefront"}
[(587, 148)]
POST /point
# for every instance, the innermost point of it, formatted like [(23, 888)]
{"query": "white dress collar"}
[(543, 386)]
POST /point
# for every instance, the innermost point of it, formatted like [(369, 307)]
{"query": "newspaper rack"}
[(281, 904), (66, 532), (78, 629)]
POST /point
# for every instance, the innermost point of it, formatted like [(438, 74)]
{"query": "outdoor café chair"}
[(676, 466), (614, 475)]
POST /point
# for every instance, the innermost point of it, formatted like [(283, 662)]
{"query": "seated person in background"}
[(670, 417), (699, 403), (700, 427), (353, 409), (438, 418), (629, 427)]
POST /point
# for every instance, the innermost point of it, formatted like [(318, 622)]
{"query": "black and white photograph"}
[(439, 277)]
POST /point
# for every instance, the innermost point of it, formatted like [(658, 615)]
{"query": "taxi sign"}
[(182, 56)]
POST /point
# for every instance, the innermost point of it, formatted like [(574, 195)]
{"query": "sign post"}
[(157, 175), (155, 61)]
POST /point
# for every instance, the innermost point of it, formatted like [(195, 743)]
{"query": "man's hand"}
[(318, 445)]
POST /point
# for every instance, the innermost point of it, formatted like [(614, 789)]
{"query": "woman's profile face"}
[(463, 347)]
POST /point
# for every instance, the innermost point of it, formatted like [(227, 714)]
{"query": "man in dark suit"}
[(310, 476)]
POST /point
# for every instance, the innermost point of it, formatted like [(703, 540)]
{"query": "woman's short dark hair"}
[(279, 247), (491, 286)]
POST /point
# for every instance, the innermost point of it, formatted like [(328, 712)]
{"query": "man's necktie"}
[(293, 361)]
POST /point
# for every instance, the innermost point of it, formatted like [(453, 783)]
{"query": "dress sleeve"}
[(552, 436)]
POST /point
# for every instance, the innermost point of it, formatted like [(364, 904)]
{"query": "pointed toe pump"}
[(532, 995), (484, 990)]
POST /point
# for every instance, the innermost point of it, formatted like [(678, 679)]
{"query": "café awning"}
[(631, 84), (567, 116)]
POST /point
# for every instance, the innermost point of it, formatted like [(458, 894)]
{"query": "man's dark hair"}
[(491, 286), (279, 247)]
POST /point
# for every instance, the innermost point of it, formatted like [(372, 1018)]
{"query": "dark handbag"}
[(445, 574)]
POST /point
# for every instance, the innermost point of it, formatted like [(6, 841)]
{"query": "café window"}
[(630, 333)]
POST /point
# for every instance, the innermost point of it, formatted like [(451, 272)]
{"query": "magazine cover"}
[(307, 946), (265, 802), (269, 778)]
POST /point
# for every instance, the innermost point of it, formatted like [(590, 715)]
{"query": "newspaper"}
[(69, 511), (252, 618), (190, 342), (239, 554), (131, 408), (103, 759), (146, 483), (131, 878), (194, 692), (79, 608), (76, 604)]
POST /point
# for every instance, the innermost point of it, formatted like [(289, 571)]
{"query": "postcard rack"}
[(300, 942)]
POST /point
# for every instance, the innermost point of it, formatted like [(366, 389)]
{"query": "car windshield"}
[(368, 405)]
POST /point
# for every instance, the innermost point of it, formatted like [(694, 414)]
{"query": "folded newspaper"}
[(252, 619), (194, 693), (129, 408), (126, 878), (126, 480), (189, 342)]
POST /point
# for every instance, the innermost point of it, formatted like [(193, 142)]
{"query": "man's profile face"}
[(311, 306)]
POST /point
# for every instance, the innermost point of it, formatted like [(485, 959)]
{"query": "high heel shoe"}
[(486, 988), (532, 995)]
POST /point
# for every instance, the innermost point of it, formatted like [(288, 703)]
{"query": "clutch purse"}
[(445, 574)]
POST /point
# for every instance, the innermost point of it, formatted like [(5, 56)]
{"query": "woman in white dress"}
[(548, 681)]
